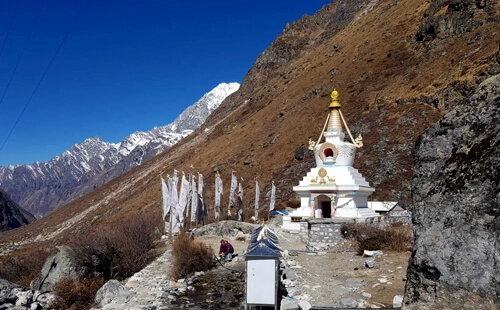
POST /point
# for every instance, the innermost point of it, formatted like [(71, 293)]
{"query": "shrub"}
[(22, 267), (395, 237), (292, 203), (119, 252), (76, 295), (190, 256), (279, 206), (400, 237)]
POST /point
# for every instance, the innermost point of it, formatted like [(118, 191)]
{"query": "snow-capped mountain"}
[(43, 186)]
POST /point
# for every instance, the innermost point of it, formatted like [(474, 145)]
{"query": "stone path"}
[(148, 289), (153, 289)]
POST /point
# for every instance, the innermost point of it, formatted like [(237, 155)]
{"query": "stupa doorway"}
[(326, 209), (324, 205)]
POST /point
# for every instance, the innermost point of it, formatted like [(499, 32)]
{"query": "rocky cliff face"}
[(11, 215), (455, 263)]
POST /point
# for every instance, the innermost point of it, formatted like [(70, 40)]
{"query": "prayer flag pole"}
[(170, 226), (273, 200), (257, 197)]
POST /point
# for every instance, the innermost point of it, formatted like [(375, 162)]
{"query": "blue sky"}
[(123, 66)]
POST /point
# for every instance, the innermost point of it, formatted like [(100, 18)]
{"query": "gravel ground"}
[(319, 279), (336, 279)]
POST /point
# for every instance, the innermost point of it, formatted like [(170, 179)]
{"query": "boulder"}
[(9, 292), (370, 263), (7, 286), (225, 229), (455, 262), (24, 298), (62, 263), (113, 290), (36, 306), (7, 298), (372, 253), (304, 305), (397, 301), (348, 302), (290, 274), (44, 299), (289, 303)]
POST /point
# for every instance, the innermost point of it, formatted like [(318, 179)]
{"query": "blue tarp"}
[(280, 212)]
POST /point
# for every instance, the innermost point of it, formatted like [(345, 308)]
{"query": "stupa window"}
[(328, 152)]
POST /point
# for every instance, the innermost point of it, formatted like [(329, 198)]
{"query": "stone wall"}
[(326, 234), (385, 220), (304, 231), (323, 234)]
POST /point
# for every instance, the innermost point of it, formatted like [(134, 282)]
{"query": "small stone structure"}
[(326, 234)]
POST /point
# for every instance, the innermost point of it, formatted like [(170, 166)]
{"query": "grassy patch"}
[(395, 237)]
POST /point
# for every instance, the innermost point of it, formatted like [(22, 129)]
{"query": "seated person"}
[(226, 250)]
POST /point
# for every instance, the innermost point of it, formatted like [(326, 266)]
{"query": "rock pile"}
[(61, 264), (13, 296)]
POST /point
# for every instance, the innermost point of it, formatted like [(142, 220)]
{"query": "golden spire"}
[(334, 121), (335, 102)]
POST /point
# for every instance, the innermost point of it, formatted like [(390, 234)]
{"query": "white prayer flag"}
[(174, 207), (232, 189), (257, 197), (201, 201), (166, 200), (175, 178), (240, 201), (218, 195), (273, 198), (184, 195), (194, 199), (189, 198)]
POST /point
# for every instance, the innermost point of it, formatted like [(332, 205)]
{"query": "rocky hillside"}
[(44, 186), (399, 66), (11, 215)]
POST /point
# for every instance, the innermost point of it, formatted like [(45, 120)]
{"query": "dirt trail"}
[(336, 279)]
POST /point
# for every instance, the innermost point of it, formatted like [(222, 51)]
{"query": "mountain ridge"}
[(44, 186), (11, 214)]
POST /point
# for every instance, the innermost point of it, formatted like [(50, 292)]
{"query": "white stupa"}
[(334, 188)]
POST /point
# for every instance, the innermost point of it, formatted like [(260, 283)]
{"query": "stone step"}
[(290, 226)]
